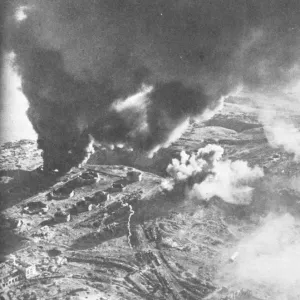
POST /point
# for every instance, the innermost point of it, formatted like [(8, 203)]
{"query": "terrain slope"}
[(143, 241)]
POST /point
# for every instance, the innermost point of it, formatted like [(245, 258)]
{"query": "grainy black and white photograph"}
[(150, 150)]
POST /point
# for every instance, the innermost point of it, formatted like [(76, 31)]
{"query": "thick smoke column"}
[(77, 58)]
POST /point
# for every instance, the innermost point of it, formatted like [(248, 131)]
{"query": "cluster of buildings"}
[(88, 203), (100, 197), (61, 193), (13, 271), (68, 190), (35, 207), (134, 176), (62, 216)]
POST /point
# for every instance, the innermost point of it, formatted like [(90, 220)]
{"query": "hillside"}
[(144, 241)]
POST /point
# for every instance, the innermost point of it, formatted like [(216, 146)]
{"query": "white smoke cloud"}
[(230, 182), (279, 123), (281, 133), (191, 165), (268, 260), (294, 183), (137, 100), (167, 184), (278, 112), (211, 176), (20, 13)]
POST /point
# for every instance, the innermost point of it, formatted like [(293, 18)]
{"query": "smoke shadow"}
[(9, 241), (23, 184)]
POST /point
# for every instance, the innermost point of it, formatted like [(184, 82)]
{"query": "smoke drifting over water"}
[(77, 58)]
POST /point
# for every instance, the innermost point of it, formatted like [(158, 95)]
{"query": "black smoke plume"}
[(80, 59)]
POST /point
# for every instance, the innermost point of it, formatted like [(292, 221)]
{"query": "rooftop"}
[(61, 214), (134, 173), (36, 204), (82, 203), (22, 264), (7, 269)]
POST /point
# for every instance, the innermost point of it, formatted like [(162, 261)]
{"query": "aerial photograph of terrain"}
[(150, 149)]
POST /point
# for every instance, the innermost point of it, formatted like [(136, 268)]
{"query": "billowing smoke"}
[(294, 183), (284, 134), (208, 175), (281, 125), (78, 58), (267, 260)]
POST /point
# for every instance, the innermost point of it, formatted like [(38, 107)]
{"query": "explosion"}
[(208, 175), (79, 59)]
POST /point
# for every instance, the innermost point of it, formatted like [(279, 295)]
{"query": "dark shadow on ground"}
[(23, 184), (9, 241), (49, 222)]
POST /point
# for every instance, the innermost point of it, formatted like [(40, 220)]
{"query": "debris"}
[(87, 178), (234, 256), (9, 275), (137, 280), (82, 206), (134, 176), (36, 207), (152, 234), (28, 269), (150, 257), (13, 271), (117, 187), (61, 193), (276, 156), (62, 216), (111, 228), (52, 268), (98, 198), (113, 206), (19, 223), (9, 223), (60, 260)]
